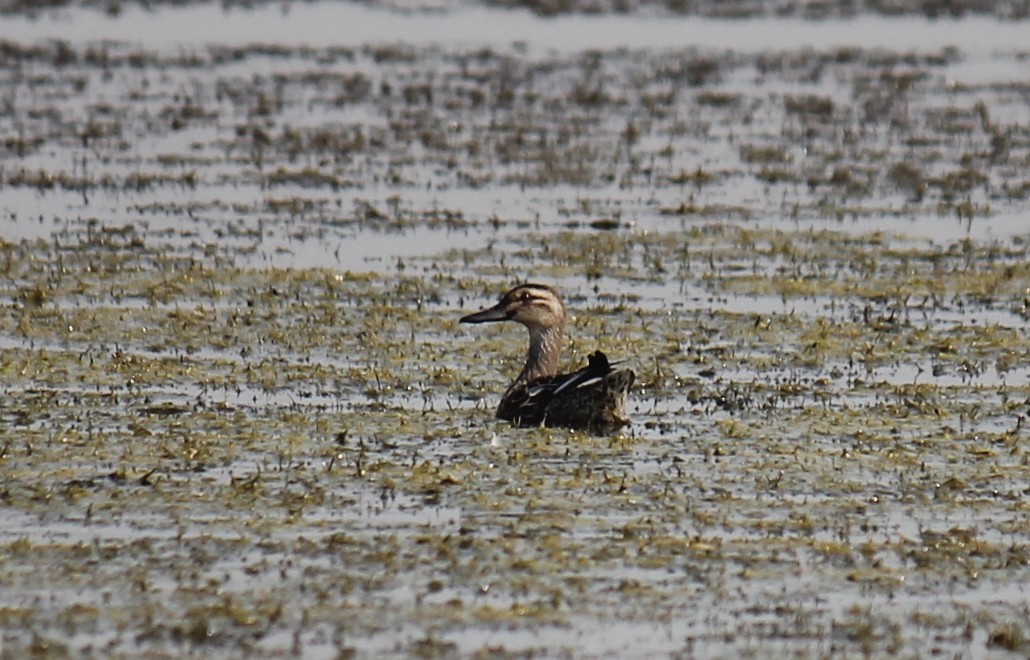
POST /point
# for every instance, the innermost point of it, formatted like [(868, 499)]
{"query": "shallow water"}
[(239, 415)]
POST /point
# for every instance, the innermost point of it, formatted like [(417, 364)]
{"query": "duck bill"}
[(495, 313)]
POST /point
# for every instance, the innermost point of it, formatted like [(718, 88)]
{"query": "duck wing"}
[(527, 405), (597, 368)]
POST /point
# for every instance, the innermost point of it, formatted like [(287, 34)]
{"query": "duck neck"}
[(544, 351)]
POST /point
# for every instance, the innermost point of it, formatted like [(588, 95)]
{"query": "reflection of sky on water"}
[(329, 237), (353, 24), (305, 242)]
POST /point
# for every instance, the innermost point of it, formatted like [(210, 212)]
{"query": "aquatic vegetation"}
[(239, 416)]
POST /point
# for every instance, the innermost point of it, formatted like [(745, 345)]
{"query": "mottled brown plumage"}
[(591, 399)]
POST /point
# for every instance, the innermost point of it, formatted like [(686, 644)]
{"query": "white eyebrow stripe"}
[(537, 291)]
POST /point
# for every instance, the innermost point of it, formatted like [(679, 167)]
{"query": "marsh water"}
[(239, 417)]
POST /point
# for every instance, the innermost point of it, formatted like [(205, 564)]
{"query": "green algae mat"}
[(239, 417)]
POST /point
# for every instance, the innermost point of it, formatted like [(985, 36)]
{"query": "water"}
[(240, 415)]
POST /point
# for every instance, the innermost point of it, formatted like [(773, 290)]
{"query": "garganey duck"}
[(590, 399)]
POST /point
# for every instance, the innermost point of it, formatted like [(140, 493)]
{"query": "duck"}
[(590, 399)]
